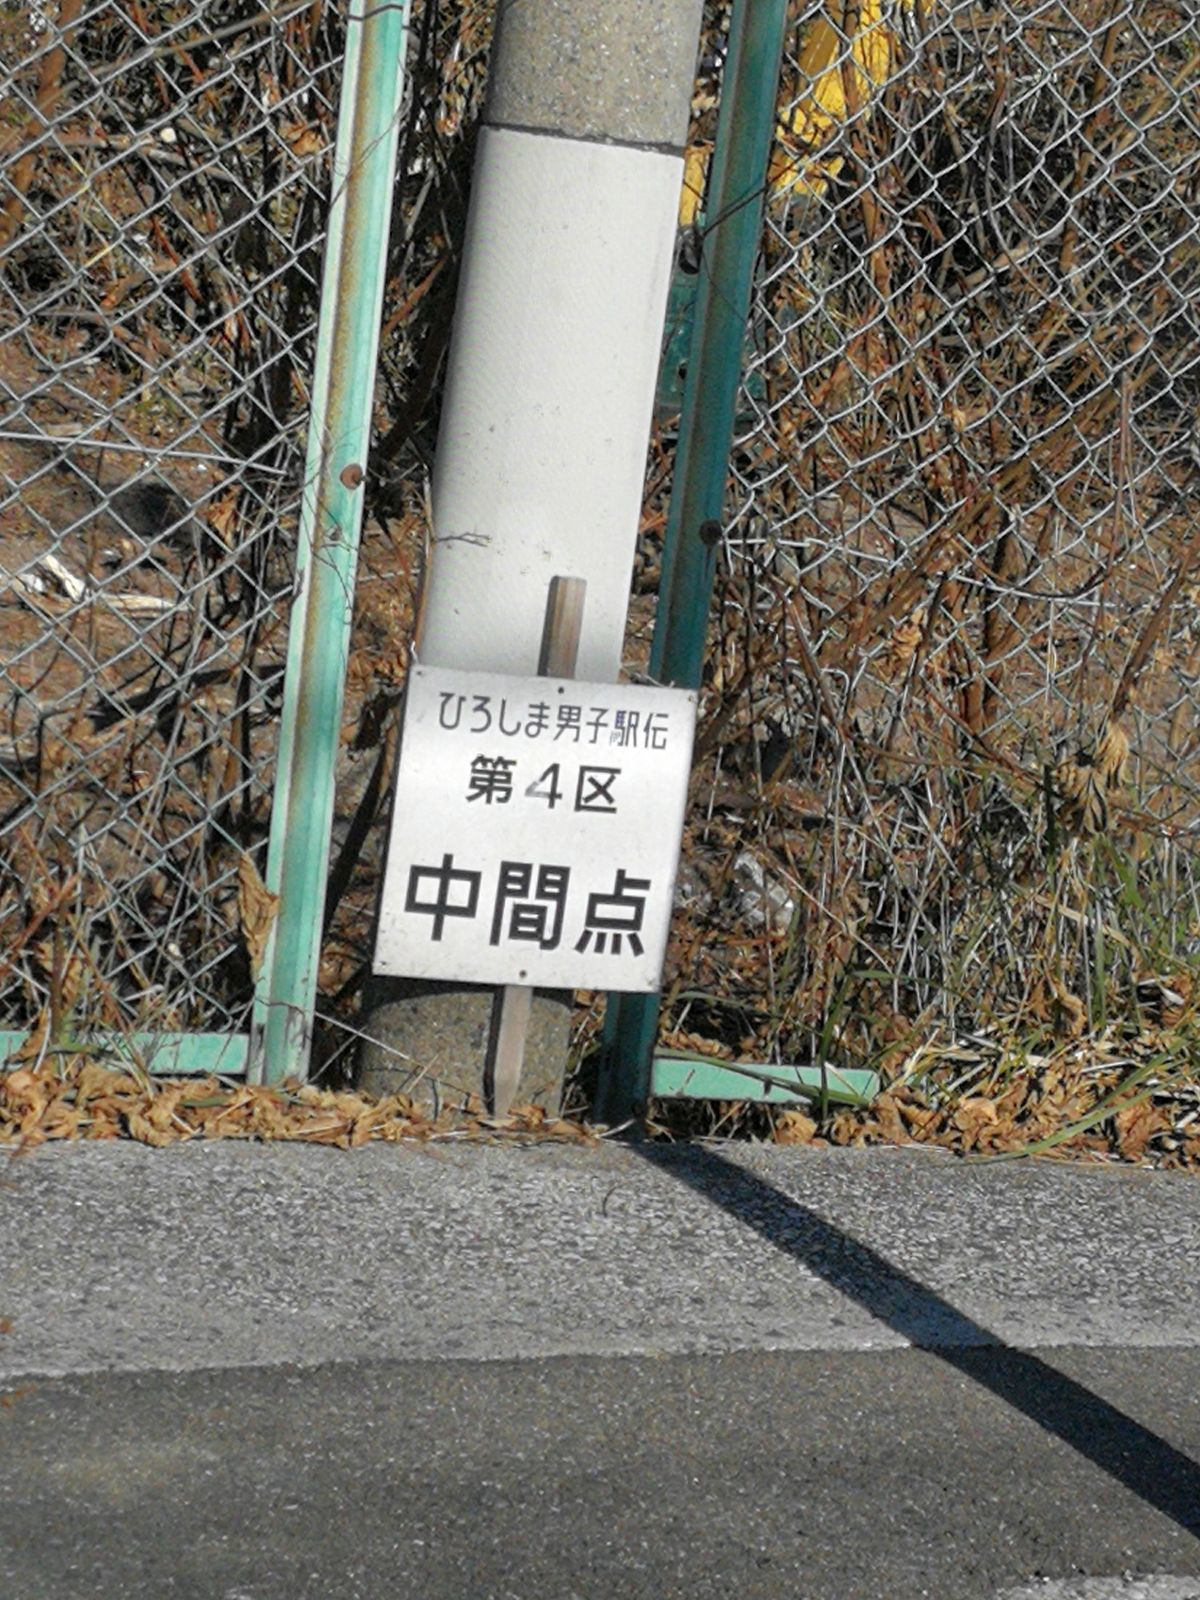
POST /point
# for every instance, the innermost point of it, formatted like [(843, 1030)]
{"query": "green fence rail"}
[(331, 521), (730, 248), (160, 238)]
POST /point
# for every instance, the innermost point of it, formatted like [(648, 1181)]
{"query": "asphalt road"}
[(243, 1373)]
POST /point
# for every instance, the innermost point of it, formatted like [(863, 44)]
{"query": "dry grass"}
[(948, 780), (944, 813)]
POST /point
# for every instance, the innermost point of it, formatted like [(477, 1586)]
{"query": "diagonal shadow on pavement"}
[(1135, 1457)]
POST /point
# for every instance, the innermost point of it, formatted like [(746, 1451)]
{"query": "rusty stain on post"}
[(331, 516)]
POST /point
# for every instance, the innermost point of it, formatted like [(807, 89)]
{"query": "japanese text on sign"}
[(535, 833)]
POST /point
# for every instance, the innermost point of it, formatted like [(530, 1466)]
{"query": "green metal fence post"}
[(331, 517), (745, 130)]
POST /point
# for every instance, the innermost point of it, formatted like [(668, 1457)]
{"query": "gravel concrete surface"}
[(117, 1257), (256, 1372), (883, 1475)]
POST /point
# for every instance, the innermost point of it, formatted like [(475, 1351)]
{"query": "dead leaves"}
[(303, 139), (903, 643), (1051, 1002), (1166, 1001), (794, 1127), (1134, 1125), (681, 1042), (1087, 779), (26, 1099), (222, 517), (91, 1101), (1068, 1105), (257, 909)]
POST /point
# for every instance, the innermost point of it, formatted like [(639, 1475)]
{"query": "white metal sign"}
[(536, 829)]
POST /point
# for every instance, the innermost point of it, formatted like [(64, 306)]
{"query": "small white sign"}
[(535, 832)]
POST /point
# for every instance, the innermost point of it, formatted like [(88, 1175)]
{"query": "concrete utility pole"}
[(546, 420)]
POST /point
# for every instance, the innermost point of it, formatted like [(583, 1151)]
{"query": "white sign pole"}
[(510, 1017)]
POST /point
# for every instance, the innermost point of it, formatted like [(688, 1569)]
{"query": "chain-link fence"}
[(162, 203), (951, 740), (164, 195), (957, 574)]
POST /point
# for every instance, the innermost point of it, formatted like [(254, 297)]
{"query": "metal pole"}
[(745, 131), (330, 521)]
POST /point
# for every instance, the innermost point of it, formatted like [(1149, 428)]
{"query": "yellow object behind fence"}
[(848, 52)]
